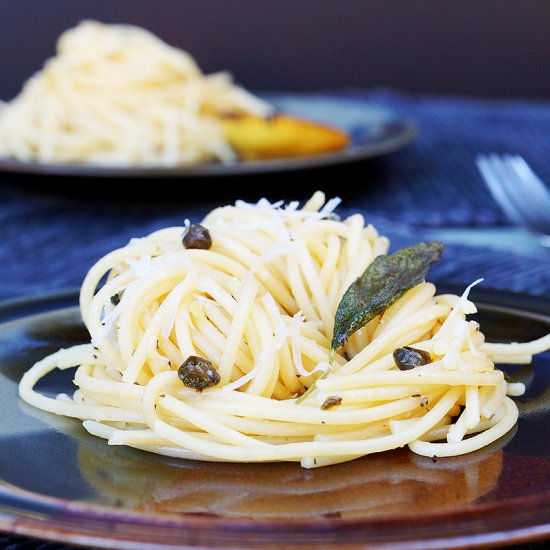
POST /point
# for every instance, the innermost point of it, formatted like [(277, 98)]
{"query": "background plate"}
[(374, 131), (59, 483)]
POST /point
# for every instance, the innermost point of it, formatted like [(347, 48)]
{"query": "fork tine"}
[(519, 191), (490, 167), (534, 211), (536, 186)]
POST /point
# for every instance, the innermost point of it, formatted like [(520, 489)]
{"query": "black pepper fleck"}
[(331, 401)]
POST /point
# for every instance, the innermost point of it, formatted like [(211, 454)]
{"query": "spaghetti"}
[(117, 95), (260, 305)]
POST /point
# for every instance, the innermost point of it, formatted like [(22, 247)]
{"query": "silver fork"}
[(520, 193)]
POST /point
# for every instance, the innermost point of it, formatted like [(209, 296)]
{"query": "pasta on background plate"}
[(116, 95), (271, 332)]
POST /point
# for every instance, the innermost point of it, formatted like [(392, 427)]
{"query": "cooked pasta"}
[(118, 95), (259, 303)]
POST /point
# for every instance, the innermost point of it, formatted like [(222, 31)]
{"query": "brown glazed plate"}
[(374, 131), (59, 483)]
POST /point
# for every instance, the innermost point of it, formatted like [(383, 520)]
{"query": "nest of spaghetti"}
[(253, 299), (117, 95)]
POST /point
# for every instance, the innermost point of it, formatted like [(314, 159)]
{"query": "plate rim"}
[(65, 522), (403, 130), (86, 523)]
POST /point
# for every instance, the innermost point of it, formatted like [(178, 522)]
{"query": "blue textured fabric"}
[(50, 239), (435, 182)]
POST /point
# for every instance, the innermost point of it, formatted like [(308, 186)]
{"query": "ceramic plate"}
[(59, 483), (374, 131)]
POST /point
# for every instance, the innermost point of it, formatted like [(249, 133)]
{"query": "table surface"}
[(429, 190)]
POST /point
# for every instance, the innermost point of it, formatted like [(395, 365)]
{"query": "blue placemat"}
[(50, 241), (435, 182)]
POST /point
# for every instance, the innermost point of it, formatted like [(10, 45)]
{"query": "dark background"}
[(492, 48)]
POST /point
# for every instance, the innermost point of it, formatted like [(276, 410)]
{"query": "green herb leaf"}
[(311, 388), (382, 284)]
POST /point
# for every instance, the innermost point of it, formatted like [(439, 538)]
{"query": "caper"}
[(197, 236), (407, 358), (198, 373)]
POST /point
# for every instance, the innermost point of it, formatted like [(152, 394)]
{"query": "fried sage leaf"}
[(382, 284)]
